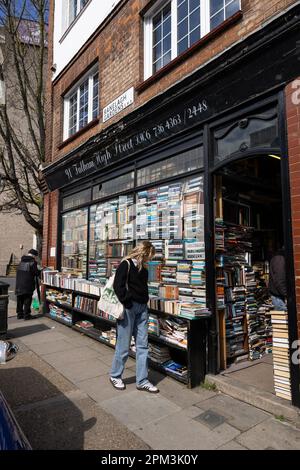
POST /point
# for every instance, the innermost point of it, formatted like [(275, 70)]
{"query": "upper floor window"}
[(173, 26), (81, 104), (71, 9)]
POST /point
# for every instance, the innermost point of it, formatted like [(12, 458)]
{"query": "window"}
[(81, 105), (71, 9), (183, 163), (220, 10), (76, 199), (113, 186), (172, 27), (74, 242)]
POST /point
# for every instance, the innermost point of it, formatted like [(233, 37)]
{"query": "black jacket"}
[(277, 280), (137, 284), (27, 273)]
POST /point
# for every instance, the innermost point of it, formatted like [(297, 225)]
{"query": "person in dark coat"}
[(277, 280), (26, 282)]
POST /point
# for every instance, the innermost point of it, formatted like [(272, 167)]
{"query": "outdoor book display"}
[(172, 218), (281, 355), (177, 344)]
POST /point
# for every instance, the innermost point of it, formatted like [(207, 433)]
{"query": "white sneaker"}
[(148, 387), (117, 383)]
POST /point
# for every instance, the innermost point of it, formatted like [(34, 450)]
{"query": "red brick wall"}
[(50, 228), (293, 124), (119, 50)]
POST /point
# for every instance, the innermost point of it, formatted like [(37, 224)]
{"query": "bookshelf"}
[(188, 348), (242, 299)]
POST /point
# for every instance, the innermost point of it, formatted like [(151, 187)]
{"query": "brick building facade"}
[(243, 68)]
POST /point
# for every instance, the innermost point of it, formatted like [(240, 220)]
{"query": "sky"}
[(18, 5)]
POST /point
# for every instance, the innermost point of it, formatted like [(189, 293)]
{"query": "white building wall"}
[(84, 26)]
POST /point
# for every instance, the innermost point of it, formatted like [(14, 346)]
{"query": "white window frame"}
[(148, 30), (66, 12), (76, 89)]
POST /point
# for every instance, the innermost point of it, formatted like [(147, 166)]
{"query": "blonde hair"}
[(142, 253)]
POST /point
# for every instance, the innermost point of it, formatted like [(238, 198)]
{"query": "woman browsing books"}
[(131, 288)]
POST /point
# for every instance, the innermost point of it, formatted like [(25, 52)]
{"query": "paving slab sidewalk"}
[(65, 377)]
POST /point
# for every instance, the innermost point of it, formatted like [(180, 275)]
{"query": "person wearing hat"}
[(26, 282)]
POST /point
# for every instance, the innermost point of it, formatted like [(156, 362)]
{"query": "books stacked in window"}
[(174, 331), (158, 353), (168, 274), (174, 249), (193, 185), (159, 246), (154, 270), (169, 292), (183, 275), (60, 314), (169, 306), (281, 354), (176, 368), (98, 273), (194, 226), (194, 250), (109, 336), (198, 277), (60, 297), (86, 305)]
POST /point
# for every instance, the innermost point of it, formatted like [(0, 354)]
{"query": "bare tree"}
[(23, 35)]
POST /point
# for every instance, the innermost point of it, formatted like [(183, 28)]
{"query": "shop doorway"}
[(248, 232)]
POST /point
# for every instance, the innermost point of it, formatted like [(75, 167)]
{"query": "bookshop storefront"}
[(204, 176)]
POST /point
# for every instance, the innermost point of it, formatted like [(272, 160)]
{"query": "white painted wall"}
[(93, 15)]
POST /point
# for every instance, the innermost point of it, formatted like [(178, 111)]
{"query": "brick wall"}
[(119, 50), (50, 228), (293, 124)]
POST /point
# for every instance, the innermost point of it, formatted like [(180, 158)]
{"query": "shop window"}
[(183, 163), (258, 131), (114, 186), (81, 104), (171, 216), (74, 242), (77, 199), (111, 236), (172, 27)]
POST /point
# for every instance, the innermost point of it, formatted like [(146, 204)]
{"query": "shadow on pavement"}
[(25, 330), (48, 418)]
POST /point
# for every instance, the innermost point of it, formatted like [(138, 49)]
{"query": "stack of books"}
[(174, 331), (86, 305), (109, 336), (159, 354), (153, 325), (57, 296), (281, 355), (175, 368), (60, 314)]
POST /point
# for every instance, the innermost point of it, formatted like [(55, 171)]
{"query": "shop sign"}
[(118, 105), (169, 124)]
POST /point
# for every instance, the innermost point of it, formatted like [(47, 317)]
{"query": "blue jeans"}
[(135, 322), (279, 304)]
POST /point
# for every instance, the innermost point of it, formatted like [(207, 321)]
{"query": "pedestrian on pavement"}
[(277, 281), (131, 288), (26, 283)]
